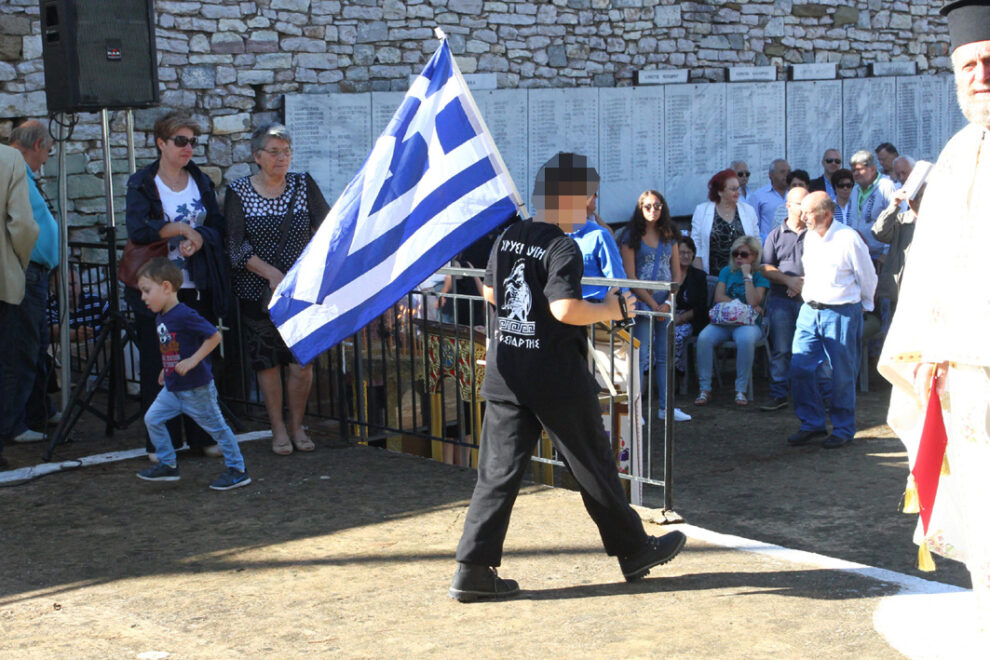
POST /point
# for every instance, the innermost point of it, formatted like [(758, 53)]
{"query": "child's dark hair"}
[(160, 270)]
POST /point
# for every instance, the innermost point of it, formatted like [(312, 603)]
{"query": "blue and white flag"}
[(432, 185)]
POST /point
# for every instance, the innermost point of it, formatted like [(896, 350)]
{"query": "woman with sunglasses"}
[(740, 280), (720, 221), (648, 248), (271, 215), (842, 183), (171, 199)]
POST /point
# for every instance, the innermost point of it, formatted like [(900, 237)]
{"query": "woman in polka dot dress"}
[(255, 208)]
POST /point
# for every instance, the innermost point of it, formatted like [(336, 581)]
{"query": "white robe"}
[(943, 315)]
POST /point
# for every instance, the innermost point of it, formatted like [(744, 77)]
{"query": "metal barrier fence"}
[(410, 381)]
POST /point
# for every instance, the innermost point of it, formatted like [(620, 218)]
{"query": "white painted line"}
[(41, 469)]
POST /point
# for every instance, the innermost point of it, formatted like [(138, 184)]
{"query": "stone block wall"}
[(230, 62)]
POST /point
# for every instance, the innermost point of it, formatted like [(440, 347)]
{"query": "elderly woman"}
[(717, 223), (740, 281), (173, 200), (271, 215)]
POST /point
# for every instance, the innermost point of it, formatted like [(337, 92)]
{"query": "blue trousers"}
[(657, 350), (831, 337), (201, 406), (24, 340), (745, 337)]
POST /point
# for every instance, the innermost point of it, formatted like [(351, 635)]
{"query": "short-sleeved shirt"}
[(534, 358), (601, 257), (185, 206), (181, 331), (735, 283), (783, 249)]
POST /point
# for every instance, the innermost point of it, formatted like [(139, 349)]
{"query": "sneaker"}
[(230, 479), (775, 403), (834, 442), (474, 582), (804, 437), (658, 550), (159, 472), (29, 436), (679, 415)]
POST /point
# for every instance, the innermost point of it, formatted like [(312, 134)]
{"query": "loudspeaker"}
[(99, 54)]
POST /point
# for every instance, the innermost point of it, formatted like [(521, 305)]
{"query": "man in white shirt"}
[(870, 197), (768, 198), (839, 282)]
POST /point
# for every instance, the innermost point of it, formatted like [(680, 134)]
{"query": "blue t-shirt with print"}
[(181, 331)]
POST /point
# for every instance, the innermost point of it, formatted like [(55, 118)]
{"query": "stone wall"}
[(231, 62)]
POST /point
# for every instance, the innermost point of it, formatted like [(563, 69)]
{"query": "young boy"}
[(186, 340), (538, 377)]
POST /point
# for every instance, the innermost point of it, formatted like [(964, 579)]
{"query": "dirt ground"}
[(348, 552)]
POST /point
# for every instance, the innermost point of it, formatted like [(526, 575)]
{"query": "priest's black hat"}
[(969, 21)]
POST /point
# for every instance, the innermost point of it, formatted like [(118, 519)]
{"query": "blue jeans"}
[(745, 337), (657, 350), (782, 314), (201, 406), (832, 337), (23, 338)]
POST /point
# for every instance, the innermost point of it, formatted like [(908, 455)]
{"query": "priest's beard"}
[(975, 109)]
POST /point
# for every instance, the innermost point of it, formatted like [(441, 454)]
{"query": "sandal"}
[(703, 398), (302, 443), (281, 446), (741, 399)]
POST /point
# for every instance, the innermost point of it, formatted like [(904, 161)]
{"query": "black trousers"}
[(508, 436)]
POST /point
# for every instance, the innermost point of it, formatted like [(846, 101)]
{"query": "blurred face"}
[(971, 63), (154, 295), (177, 149), (274, 158), (886, 160), (864, 174), (778, 175), (831, 162), (685, 254), (730, 194), (566, 211), (902, 170), (844, 188), (651, 207)]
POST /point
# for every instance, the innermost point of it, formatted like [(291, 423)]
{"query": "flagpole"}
[(521, 207)]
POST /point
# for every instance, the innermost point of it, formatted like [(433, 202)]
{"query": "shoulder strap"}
[(283, 236)]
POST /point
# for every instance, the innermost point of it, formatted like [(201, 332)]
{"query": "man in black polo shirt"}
[(537, 377)]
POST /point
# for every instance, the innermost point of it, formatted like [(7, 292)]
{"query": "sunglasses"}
[(833, 161), (181, 140), (652, 207), (745, 254), (845, 184), (743, 173)]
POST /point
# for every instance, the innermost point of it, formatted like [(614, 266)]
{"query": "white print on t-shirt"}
[(518, 302), (517, 247), (169, 348)]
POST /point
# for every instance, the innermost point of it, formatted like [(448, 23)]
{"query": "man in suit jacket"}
[(831, 162), (20, 231)]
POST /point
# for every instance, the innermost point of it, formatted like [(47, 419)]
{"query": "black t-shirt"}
[(533, 358)]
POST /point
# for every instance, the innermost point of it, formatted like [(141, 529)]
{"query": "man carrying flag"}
[(537, 378), (938, 336)]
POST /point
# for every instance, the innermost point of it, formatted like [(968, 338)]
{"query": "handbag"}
[(734, 312), (266, 293), (136, 255)]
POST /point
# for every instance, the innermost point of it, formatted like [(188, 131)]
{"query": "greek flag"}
[(433, 183)]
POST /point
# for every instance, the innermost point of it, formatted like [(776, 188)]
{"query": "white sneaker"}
[(29, 436), (679, 415)]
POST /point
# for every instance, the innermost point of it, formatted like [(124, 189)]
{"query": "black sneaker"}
[(775, 403), (833, 442), (159, 472), (230, 479), (474, 582), (658, 550), (804, 437)]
